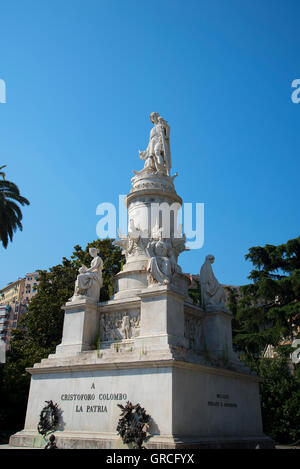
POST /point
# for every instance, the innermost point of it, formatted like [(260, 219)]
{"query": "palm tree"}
[(1, 172), (10, 212)]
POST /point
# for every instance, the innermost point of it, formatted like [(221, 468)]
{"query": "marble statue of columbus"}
[(157, 155), (212, 293)]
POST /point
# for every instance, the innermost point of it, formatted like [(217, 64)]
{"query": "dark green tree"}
[(41, 327), (195, 292), (267, 312), (232, 305), (269, 308), (280, 396), (232, 299), (10, 212)]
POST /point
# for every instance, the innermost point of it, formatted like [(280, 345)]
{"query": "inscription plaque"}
[(220, 402)]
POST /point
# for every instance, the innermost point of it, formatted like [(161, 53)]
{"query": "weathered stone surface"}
[(189, 403), (81, 326)]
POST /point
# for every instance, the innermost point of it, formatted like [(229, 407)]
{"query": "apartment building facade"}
[(30, 287), (14, 300)]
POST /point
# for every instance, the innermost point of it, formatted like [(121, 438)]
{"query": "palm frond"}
[(10, 212)]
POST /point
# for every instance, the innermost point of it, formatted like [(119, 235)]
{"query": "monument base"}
[(192, 405), (71, 440)]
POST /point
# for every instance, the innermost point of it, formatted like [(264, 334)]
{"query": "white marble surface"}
[(135, 385), (157, 155), (81, 326), (185, 400)]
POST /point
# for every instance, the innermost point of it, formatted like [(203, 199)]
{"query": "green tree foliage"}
[(232, 304), (195, 292), (232, 299), (280, 396), (10, 212), (41, 328), (266, 312), (269, 308)]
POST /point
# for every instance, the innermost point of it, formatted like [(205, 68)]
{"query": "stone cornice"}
[(190, 308), (161, 290), (152, 192), (80, 304), (141, 364), (122, 303)]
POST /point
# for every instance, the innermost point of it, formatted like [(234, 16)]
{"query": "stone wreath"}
[(133, 425), (49, 418)]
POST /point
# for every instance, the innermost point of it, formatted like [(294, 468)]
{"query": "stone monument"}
[(155, 347)]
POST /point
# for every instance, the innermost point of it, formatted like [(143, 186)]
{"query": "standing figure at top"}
[(157, 155)]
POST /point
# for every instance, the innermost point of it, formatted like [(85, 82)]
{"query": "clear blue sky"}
[(82, 78)]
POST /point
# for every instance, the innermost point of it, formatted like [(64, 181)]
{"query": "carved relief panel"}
[(119, 326), (193, 331)]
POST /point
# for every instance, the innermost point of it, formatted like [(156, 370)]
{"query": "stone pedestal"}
[(218, 334), (173, 364), (162, 318), (81, 326), (191, 405)]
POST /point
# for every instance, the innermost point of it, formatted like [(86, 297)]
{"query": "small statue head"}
[(154, 117), (93, 252), (210, 258), (161, 248)]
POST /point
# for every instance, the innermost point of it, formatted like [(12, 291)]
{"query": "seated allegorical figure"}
[(212, 293), (89, 281), (162, 264)]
